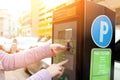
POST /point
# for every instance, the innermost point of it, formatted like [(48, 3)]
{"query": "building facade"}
[(7, 24), (42, 12), (25, 21)]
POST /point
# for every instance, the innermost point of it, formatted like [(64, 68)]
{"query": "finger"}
[(59, 46), (60, 74), (63, 47), (63, 62), (61, 68)]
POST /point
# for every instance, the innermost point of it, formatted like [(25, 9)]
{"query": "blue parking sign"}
[(102, 31)]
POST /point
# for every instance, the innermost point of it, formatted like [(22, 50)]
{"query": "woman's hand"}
[(56, 70), (57, 48)]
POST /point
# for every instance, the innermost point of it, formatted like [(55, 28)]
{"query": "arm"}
[(41, 75), (22, 59), (55, 70)]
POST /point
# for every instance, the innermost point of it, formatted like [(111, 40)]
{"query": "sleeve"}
[(41, 75), (24, 58)]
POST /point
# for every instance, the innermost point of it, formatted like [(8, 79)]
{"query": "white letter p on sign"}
[(103, 30)]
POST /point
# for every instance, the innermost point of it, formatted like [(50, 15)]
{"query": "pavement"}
[(20, 74)]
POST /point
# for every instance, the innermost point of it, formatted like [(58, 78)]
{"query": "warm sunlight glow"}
[(16, 7), (49, 4)]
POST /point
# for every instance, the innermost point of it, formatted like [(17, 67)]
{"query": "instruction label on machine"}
[(100, 64)]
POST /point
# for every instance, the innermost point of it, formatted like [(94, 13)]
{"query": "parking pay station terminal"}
[(88, 30)]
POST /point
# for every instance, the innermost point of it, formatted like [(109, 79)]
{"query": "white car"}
[(26, 42)]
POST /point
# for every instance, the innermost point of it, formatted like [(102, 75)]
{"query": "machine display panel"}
[(65, 33)]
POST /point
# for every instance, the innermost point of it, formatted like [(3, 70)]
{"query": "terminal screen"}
[(64, 33)]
